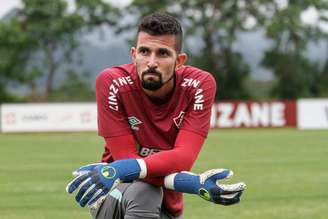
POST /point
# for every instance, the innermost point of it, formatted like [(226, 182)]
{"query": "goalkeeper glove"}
[(95, 181), (207, 186)]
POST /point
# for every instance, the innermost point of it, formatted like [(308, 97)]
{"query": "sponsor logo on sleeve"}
[(113, 90), (190, 82), (199, 96), (199, 100), (134, 122)]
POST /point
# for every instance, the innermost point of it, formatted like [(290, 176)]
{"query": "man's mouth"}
[(152, 74)]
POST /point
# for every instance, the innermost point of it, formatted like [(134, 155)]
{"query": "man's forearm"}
[(180, 158)]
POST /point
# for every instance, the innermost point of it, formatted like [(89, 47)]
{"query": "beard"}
[(151, 83)]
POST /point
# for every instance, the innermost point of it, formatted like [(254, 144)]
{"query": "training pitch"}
[(286, 172)]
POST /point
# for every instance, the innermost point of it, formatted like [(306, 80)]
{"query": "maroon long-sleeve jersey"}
[(124, 109)]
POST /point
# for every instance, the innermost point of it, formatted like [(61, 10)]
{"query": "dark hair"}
[(160, 23)]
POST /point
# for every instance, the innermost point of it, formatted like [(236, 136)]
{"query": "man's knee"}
[(144, 193), (143, 199)]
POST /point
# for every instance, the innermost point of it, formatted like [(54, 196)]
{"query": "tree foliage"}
[(297, 76), (46, 39), (39, 38), (213, 26), (42, 36)]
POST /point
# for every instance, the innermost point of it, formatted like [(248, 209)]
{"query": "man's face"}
[(156, 59)]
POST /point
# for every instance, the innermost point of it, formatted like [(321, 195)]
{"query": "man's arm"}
[(93, 182), (180, 158), (124, 147), (163, 163)]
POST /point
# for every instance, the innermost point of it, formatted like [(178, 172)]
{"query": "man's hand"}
[(95, 181), (87, 168), (207, 185)]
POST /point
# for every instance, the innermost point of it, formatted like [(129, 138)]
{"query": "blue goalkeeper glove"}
[(95, 181), (207, 186)]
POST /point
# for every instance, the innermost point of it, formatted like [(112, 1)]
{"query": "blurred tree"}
[(46, 39), (323, 73), (297, 76), (39, 38), (14, 53), (76, 87), (97, 12), (214, 25)]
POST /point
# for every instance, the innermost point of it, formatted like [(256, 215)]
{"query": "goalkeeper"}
[(154, 115)]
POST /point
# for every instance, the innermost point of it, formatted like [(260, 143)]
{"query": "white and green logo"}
[(108, 172), (133, 121)]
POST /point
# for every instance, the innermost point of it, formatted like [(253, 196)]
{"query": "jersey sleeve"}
[(197, 118), (124, 147), (112, 120), (181, 158)]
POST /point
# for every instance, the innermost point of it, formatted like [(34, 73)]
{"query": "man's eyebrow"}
[(164, 50), (143, 48)]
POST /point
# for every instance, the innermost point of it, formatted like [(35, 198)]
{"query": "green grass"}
[(285, 171)]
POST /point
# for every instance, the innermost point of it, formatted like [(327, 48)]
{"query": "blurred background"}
[(256, 49), (270, 60)]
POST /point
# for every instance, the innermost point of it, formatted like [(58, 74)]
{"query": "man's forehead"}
[(163, 41)]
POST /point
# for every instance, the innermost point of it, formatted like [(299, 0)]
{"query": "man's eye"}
[(163, 53), (143, 51)]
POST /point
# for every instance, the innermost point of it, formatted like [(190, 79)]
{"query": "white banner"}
[(312, 114), (54, 117), (48, 117)]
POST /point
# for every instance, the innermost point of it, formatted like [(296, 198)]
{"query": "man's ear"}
[(181, 60), (133, 54)]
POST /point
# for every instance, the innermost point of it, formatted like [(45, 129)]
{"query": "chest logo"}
[(178, 120), (134, 122)]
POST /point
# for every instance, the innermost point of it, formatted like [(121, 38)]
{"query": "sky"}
[(7, 5)]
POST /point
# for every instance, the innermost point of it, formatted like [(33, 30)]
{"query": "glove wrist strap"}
[(143, 168), (169, 181)]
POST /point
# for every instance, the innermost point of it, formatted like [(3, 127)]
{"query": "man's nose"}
[(152, 61)]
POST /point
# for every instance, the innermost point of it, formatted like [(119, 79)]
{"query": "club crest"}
[(178, 120)]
